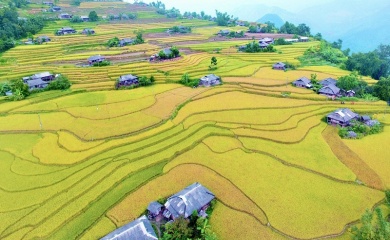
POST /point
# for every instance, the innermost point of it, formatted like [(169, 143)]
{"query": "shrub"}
[(102, 64), (113, 42), (60, 83), (361, 129), (282, 41), (76, 19), (187, 81)]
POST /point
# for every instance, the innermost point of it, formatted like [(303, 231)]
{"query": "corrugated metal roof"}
[(330, 90), (343, 115), (154, 207), (328, 81), (139, 229), (127, 77), (190, 199), (96, 57), (304, 80), (210, 78), (41, 75)]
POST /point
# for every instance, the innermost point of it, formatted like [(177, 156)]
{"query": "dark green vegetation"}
[(193, 228), (93, 17), (254, 47), (323, 54), (281, 41), (102, 63), (20, 90), (302, 29), (174, 53), (12, 28), (375, 63), (187, 81), (374, 226), (360, 129)]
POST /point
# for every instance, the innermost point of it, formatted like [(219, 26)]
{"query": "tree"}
[(270, 27), (93, 17), (348, 82), (138, 37), (4, 87), (289, 28), (144, 81), (19, 89), (178, 230), (382, 89), (282, 41), (337, 44), (175, 52), (369, 230), (318, 37), (214, 61), (303, 30), (113, 42), (222, 18), (375, 63), (76, 19), (60, 83)]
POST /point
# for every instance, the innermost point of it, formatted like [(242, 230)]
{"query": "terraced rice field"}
[(77, 164)]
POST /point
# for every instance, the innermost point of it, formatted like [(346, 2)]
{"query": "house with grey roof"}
[(192, 198), (65, 30), (127, 80), (126, 41), (95, 59), (279, 66), (210, 80), (38, 80), (267, 40), (37, 84), (330, 90), (154, 209), (303, 82), (224, 32), (56, 9), (328, 81), (342, 117), (42, 39), (167, 51), (263, 45), (44, 76), (88, 31), (303, 39), (64, 16), (84, 18), (139, 229)]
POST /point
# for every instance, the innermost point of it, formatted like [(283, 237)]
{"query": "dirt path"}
[(363, 172)]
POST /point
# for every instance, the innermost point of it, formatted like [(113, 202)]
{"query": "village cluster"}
[(194, 198)]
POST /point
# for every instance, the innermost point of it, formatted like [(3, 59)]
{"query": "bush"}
[(187, 81), (102, 64), (93, 17), (60, 83), (113, 42), (282, 41), (76, 19), (361, 129)]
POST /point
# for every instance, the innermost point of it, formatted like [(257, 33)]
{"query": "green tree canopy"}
[(93, 17), (349, 82), (375, 63), (382, 89), (223, 18), (372, 228), (178, 230)]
